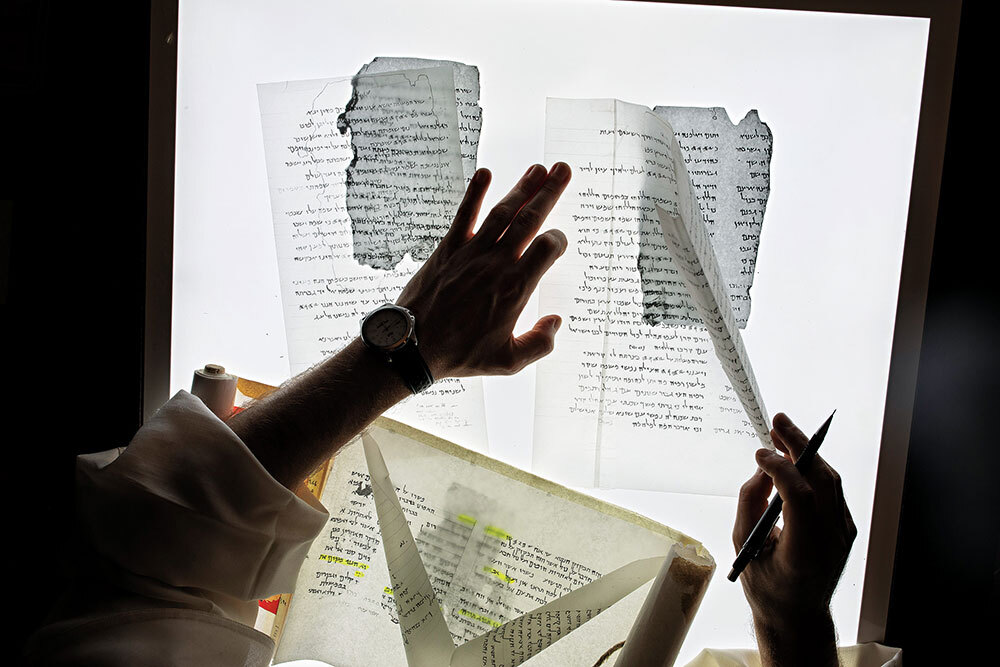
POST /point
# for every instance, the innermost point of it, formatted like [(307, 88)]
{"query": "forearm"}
[(806, 640), (309, 418)]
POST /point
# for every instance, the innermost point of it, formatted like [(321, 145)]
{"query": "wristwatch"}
[(391, 330)]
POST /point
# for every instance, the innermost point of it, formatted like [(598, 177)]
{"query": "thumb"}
[(532, 345), (796, 494)]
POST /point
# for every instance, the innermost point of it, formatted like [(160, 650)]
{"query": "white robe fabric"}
[(188, 531)]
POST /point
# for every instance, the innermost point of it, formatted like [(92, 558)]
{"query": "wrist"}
[(793, 621), (807, 637), (373, 365), (391, 332)]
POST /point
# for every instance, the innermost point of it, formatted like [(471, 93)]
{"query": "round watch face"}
[(386, 328)]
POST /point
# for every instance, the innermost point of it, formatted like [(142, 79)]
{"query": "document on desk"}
[(634, 395), (458, 559), (365, 175)]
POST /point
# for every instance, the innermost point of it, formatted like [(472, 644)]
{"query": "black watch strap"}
[(412, 368)]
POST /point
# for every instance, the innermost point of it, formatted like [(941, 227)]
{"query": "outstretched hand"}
[(790, 583), (468, 295)]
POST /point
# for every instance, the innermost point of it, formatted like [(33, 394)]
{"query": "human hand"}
[(468, 295), (790, 583)]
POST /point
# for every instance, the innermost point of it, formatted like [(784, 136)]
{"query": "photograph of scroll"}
[(364, 175), (634, 379), (459, 559)]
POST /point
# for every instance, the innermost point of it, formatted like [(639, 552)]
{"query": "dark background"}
[(73, 135)]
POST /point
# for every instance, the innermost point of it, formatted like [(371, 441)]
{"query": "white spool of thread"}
[(216, 388)]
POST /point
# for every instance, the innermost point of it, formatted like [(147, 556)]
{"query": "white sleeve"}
[(187, 505)]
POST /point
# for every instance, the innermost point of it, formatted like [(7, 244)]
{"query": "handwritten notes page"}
[(627, 400), (340, 257), (486, 563)]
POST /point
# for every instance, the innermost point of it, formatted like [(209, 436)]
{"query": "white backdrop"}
[(840, 93)]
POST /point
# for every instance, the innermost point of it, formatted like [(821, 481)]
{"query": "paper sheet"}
[(425, 634), (495, 544), (325, 289), (622, 403)]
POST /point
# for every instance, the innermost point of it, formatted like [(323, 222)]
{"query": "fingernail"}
[(556, 323), (764, 454), (480, 175), (534, 171), (560, 169)]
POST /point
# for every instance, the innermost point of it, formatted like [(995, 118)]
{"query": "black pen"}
[(760, 532)]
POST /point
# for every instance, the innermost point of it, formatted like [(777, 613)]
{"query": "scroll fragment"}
[(469, 111), (406, 179)]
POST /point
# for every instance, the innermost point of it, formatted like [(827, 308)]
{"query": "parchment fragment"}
[(470, 113), (729, 166), (406, 179)]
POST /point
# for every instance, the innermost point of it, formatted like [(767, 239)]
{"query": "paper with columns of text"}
[(623, 402), (327, 261), (480, 555)]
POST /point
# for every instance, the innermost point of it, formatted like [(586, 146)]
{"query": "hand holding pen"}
[(790, 582)]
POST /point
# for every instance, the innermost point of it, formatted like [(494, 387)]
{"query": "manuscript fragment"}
[(470, 113), (406, 180)]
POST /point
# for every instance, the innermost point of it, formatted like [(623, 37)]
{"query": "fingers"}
[(468, 210), (525, 224), (795, 490), (750, 506), (794, 440), (820, 475), (501, 215), (533, 345), (540, 255)]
